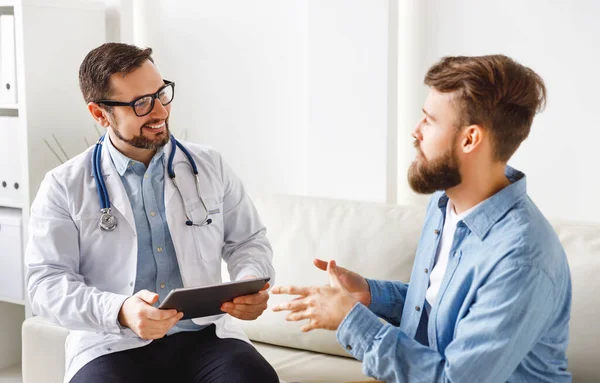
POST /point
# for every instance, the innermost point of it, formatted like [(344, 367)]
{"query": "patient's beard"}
[(441, 173)]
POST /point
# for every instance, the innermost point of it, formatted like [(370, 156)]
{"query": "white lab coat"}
[(78, 276)]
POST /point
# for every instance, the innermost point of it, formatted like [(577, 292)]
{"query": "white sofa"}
[(377, 240)]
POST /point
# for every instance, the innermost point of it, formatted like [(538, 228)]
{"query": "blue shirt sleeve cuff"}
[(379, 296), (357, 331)]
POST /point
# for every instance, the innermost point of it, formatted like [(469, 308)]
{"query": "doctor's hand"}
[(325, 307), (248, 307), (148, 322), (351, 281)]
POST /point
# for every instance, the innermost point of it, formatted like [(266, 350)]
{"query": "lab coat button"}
[(436, 232), (153, 213), (418, 308), (159, 249), (162, 285), (426, 270)]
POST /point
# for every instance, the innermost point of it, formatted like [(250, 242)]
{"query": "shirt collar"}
[(488, 212), (121, 161)]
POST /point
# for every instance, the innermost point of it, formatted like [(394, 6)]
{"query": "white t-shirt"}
[(443, 251)]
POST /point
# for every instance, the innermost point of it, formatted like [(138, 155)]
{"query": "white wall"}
[(297, 94), (559, 40), (293, 93), (347, 92)]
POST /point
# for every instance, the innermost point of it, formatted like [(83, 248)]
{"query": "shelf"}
[(9, 106), (5, 202)]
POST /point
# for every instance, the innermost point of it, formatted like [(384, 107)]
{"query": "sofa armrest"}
[(43, 351)]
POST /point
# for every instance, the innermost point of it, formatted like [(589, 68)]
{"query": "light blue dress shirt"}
[(157, 267), (503, 308)]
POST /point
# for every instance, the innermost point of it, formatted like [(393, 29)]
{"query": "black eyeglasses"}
[(144, 105)]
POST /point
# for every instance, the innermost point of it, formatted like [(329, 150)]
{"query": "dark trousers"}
[(190, 357)]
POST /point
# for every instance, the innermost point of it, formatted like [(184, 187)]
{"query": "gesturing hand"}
[(324, 306), (353, 282), (148, 322)]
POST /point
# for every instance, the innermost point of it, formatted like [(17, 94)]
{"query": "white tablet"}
[(202, 301)]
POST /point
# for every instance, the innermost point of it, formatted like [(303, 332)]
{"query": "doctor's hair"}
[(104, 61), (495, 92)]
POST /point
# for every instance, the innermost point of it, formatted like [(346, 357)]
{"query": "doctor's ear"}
[(99, 114)]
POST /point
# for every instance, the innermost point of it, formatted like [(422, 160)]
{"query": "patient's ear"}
[(471, 138)]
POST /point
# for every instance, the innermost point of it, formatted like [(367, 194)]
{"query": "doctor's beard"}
[(441, 173), (142, 141)]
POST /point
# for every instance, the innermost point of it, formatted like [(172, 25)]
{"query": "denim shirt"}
[(502, 312), (157, 267)]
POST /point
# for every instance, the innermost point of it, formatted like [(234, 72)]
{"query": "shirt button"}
[(153, 213), (159, 249), (348, 347), (436, 232), (417, 308), (426, 270), (162, 285), (130, 283), (145, 175)]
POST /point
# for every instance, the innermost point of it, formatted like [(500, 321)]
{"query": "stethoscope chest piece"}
[(108, 221)]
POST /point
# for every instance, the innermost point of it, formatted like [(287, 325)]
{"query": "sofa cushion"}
[(377, 240), (582, 245), (310, 367)]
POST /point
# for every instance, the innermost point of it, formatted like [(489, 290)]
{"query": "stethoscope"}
[(108, 222)]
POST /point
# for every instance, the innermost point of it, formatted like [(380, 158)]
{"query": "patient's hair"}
[(495, 92), (102, 62)]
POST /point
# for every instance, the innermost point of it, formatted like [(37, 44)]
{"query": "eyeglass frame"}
[(154, 96)]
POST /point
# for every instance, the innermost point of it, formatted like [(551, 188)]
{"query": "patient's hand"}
[(248, 307), (354, 283), (147, 321), (324, 306)]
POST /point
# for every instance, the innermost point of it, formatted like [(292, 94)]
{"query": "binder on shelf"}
[(8, 73)]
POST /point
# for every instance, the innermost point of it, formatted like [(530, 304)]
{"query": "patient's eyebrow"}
[(429, 115)]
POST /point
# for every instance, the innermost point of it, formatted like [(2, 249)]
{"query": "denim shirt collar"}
[(481, 220), (121, 161)]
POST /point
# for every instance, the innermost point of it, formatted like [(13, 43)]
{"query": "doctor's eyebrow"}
[(428, 115)]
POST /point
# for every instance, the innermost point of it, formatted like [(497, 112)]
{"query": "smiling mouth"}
[(156, 127)]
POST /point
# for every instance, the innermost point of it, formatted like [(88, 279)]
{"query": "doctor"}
[(114, 229)]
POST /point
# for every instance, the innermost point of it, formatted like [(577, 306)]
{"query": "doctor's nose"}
[(160, 111)]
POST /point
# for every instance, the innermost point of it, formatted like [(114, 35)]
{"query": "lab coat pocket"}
[(209, 238)]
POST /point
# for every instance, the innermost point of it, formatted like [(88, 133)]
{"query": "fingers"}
[(333, 274), (228, 307), (147, 296), (153, 329), (298, 315), (245, 312), (156, 314), (309, 326), (252, 299), (320, 264), (267, 285), (294, 305), (291, 290)]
